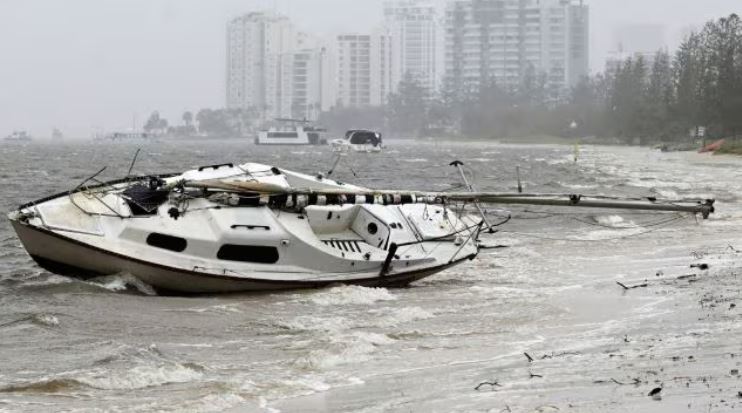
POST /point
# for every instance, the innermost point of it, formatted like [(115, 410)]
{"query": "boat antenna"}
[(133, 162)]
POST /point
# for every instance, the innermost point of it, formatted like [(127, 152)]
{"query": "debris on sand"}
[(656, 393), (535, 375), (626, 288), (702, 267), (492, 384)]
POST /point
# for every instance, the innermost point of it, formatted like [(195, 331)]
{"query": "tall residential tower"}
[(413, 28), (275, 70), (503, 40), (363, 69)]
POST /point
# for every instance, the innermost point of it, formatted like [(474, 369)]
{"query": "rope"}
[(658, 227)]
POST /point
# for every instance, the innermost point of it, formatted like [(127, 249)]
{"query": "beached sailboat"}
[(230, 228)]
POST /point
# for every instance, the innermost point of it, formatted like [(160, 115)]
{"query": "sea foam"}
[(350, 295)]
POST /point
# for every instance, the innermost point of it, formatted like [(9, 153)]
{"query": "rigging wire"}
[(656, 228)]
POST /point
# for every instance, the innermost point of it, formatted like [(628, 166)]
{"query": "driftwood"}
[(626, 288), (488, 383), (634, 382)]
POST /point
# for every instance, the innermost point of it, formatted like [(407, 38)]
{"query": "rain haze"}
[(85, 65), (367, 206)]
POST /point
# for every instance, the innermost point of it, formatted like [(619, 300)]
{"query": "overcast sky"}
[(85, 64)]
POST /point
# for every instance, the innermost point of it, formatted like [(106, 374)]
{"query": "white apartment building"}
[(276, 70), (503, 39), (415, 44), (363, 68)]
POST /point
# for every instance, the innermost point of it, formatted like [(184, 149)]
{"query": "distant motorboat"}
[(57, 134), (358, 141), (19, 136), (304, 134)]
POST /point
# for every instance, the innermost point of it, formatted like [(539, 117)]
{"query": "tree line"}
[(661, 98)]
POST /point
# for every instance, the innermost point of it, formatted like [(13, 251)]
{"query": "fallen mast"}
[(299, 198)]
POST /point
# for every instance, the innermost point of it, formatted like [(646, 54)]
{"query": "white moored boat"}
[(358, 141), (292, 132), (19, 136), (210, 230)]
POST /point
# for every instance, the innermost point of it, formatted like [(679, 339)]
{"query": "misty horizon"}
[(85, 66)]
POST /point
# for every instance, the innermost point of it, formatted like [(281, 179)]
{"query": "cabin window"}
[(372, 228), (248, 253), (167, 242)]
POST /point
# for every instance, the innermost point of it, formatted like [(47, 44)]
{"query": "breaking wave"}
[(339, 349), (138, 377), (128, 369), (386, 317), (42, 320), (123, 282), (62, 385), (348, 295)]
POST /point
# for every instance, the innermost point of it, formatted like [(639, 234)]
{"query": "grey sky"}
[(82, 64)]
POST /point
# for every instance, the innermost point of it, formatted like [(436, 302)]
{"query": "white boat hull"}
[(217, 243), (61, 255)]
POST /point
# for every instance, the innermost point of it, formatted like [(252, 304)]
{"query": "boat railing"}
[(474, 231)]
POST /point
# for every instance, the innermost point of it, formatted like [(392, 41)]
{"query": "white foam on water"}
[(578, 186), (656, 183), (48, 320), (311, 384), (342, 349), (314, 323), (497, 291), (415, 160), (219, 309), (349, 295), (668, 194), (615, 221), (392, 317), (215, 402), (210, 403), (122, 282), (139, 377)]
